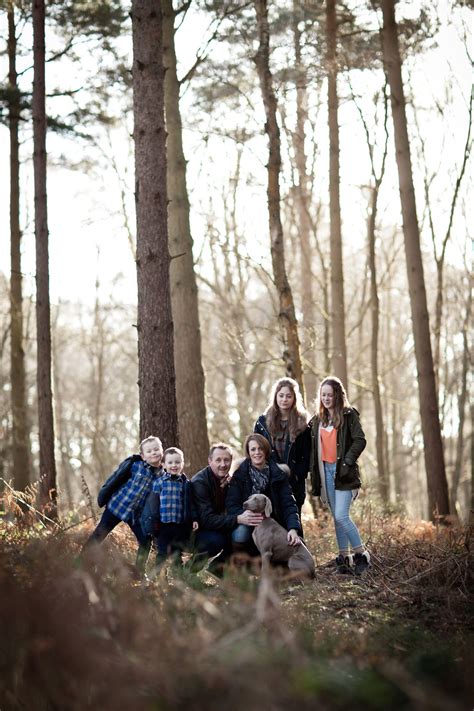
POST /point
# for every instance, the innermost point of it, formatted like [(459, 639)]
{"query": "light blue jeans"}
[(339, 502)]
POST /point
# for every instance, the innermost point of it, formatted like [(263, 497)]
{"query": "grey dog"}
[(271, 539)]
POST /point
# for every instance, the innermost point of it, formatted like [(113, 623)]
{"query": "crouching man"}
[(209, 487)]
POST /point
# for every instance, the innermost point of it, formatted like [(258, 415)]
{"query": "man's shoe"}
[(361, 562), (343, 565)]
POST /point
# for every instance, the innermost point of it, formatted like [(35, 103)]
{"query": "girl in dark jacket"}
[(337, 440), (285, 426), (258, 474)]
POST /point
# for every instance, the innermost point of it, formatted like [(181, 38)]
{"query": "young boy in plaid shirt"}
[(169, 514), (128, 502)]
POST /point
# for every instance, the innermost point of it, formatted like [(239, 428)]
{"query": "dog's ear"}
[(268, 507)]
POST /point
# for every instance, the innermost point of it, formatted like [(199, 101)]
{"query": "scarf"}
[(260, 478)]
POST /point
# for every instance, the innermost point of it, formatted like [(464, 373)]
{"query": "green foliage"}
[(100, 18), (343, 685), (9, 96)]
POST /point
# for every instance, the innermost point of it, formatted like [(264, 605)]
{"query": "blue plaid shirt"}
[(127, 503), (171, 491)]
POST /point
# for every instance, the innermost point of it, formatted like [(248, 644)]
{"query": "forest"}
[(202, 197)]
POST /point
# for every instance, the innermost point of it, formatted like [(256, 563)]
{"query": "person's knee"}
[(342, 520), (242, 534), (211, 543)]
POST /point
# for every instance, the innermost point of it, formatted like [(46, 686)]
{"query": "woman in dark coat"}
[(258, 474), (337, 440), (285, 425)]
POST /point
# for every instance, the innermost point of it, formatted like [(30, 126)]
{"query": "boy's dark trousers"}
[(170, 538), (107, 523)]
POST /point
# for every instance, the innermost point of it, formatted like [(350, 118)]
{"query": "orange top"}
[(328, 445)]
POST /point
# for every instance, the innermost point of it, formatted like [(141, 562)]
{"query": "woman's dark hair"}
[(262, 441), (340, 402), (297, 417)]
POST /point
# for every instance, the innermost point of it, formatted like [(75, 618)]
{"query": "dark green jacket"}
[(350, 444)]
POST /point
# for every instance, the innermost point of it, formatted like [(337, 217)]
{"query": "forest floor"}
[(88, 634)]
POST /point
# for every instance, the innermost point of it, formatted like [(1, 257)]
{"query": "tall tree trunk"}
[(462, 397), (48, 490), (66, 472), (439, 258), (98, 375), (383, 477), (287, 315), (20, 435), (438, 500), (156, 374), (381, 441), (190, 386), (471, 500), (339, 355), (233, 286), (303, 196)]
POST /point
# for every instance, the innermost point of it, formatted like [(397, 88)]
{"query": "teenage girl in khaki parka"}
[(337, 440)]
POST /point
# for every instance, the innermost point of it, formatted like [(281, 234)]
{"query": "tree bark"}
[(441, 255), (462, 397), (98, 377), (287, 315), (48, 488), (440, 259), (156, 374), (66, 472), (438, 500), (20, 433), (471, 507), (381, 441), (190, 385), (339, 355), (382, 473), (303, 196)]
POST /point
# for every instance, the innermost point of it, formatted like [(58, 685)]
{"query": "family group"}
[(161, 504)]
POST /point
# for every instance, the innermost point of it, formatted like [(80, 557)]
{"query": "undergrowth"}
[(86, 634)]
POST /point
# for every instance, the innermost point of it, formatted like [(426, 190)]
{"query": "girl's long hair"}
[(340, 402), (297, 417)]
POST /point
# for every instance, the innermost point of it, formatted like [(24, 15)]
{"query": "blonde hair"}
[(152, 438), (297, 417)]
